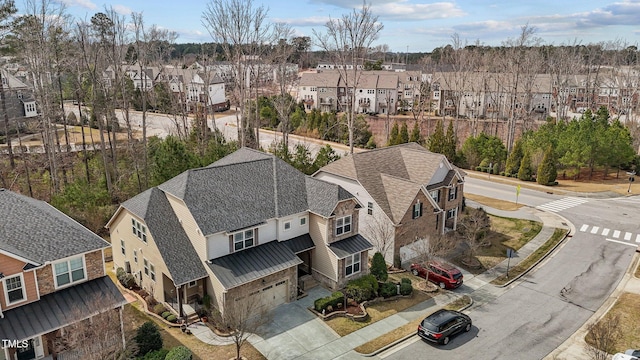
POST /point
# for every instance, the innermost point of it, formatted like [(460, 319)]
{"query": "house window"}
[(287, 225), (193, 283), (451, 213), (14, 289), (417, 210), (122, 249), (303, 221), (135, 256), (152, 270), (139, 230), (453, 193), (69, 271), (370, 208), (242, 240), (145, 262), (352, 264), (435, 195), (343, 225)]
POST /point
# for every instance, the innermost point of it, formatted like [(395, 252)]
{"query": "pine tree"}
[(393, 136), (450, 143), (515, 158), (547, 172), (437, 140), (526, 171), (415, 134), (403, 137)]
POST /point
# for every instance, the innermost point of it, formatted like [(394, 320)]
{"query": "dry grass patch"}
[(525, 264), (627, 308), (378, 311), (406, 329), (494, 203)]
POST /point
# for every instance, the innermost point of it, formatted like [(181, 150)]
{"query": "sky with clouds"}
[(416, 25)]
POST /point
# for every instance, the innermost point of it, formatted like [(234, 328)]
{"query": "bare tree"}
[(241, 29), (563, 64), (283, 102), (602, 336), (346, 41), (7, 9), (243, 315), (381, 232), (433, 247), (472, 227)]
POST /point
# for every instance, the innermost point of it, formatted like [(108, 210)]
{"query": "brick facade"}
[(343, 209), (95, 269), (419, 228)]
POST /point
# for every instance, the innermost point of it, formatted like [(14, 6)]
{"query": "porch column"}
[(179, 300)]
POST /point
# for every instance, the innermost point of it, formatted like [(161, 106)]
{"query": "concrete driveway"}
[(293, 330)]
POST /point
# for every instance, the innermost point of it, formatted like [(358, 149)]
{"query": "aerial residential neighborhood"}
[(319, 180)]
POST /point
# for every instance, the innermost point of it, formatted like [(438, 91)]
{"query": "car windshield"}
[(457, 276)]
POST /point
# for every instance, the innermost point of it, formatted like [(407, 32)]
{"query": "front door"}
[(27, 352)]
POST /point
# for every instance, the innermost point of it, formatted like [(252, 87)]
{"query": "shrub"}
[(362, 289), (156, 355), (172, 318), (388, 289), (159, 309), (126, 280), (325, 302), (179, 353), (406, 289), (405, 281), (148, 338), (151, 302), (379, 267), (166, 314)]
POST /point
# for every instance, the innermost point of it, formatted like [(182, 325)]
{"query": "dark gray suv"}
[(443, 324)]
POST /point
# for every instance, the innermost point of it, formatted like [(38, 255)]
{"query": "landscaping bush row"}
[(125, 279), (389, 288), (362, 289), (333, 301)]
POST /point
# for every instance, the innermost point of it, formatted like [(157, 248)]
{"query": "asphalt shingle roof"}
[(58, 309), (35, 230), (172, 242), (391, 174), (323, 196), (253, 263)]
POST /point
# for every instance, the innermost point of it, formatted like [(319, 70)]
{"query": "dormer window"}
[(243, 239), (343, 225)]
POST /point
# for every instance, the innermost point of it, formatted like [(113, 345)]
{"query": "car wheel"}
[(468, 327), (445, 341), (442, 285), (414, 272)]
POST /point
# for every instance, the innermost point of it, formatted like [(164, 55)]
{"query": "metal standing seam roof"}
[(253, 263), (61, 308), (300, 243), (349, 246), (40, 233)]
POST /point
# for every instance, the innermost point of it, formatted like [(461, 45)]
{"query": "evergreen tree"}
[(325, 155), (379, 267), (526, 171), (450, 143), (148, 338), (514, 159), (547, 172), (393, 136), (437, 139), (415, 134), (403, 137)]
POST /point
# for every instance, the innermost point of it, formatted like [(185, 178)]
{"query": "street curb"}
[(403, 339), (548, 253)]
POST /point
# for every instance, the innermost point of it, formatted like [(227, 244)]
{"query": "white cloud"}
[(82, 3), (122, 10), (405, 10), (307, 21)]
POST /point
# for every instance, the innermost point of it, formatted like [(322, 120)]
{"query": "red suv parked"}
[(446, 276)]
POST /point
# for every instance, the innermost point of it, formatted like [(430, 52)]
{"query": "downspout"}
[(124, 343)]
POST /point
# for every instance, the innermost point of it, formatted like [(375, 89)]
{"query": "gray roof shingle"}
[(323, 196), (253, 263), (36, 231), (172, 242), (58, 309), (349, 246)]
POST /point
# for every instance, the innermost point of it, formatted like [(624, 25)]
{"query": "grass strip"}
[(524, 265)]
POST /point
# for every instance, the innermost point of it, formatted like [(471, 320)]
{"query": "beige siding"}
[(215, 289), (323, 261), (190, 227)]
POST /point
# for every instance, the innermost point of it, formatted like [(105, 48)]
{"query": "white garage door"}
[(274, 295)]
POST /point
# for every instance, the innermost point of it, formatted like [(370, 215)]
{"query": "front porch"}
[(185, 300)]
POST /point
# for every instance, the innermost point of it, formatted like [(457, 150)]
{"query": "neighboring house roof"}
[(253, 263), (242, 190), (392, 175), (349, 246), (324, 196), (35, 230), (172, 242), (61, 308)]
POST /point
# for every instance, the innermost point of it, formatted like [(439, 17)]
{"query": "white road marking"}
[(595, 229), (627, 236), (616, 233), (605, 232), (562, 204), (621, 242), (638, 238), (584, 227)]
